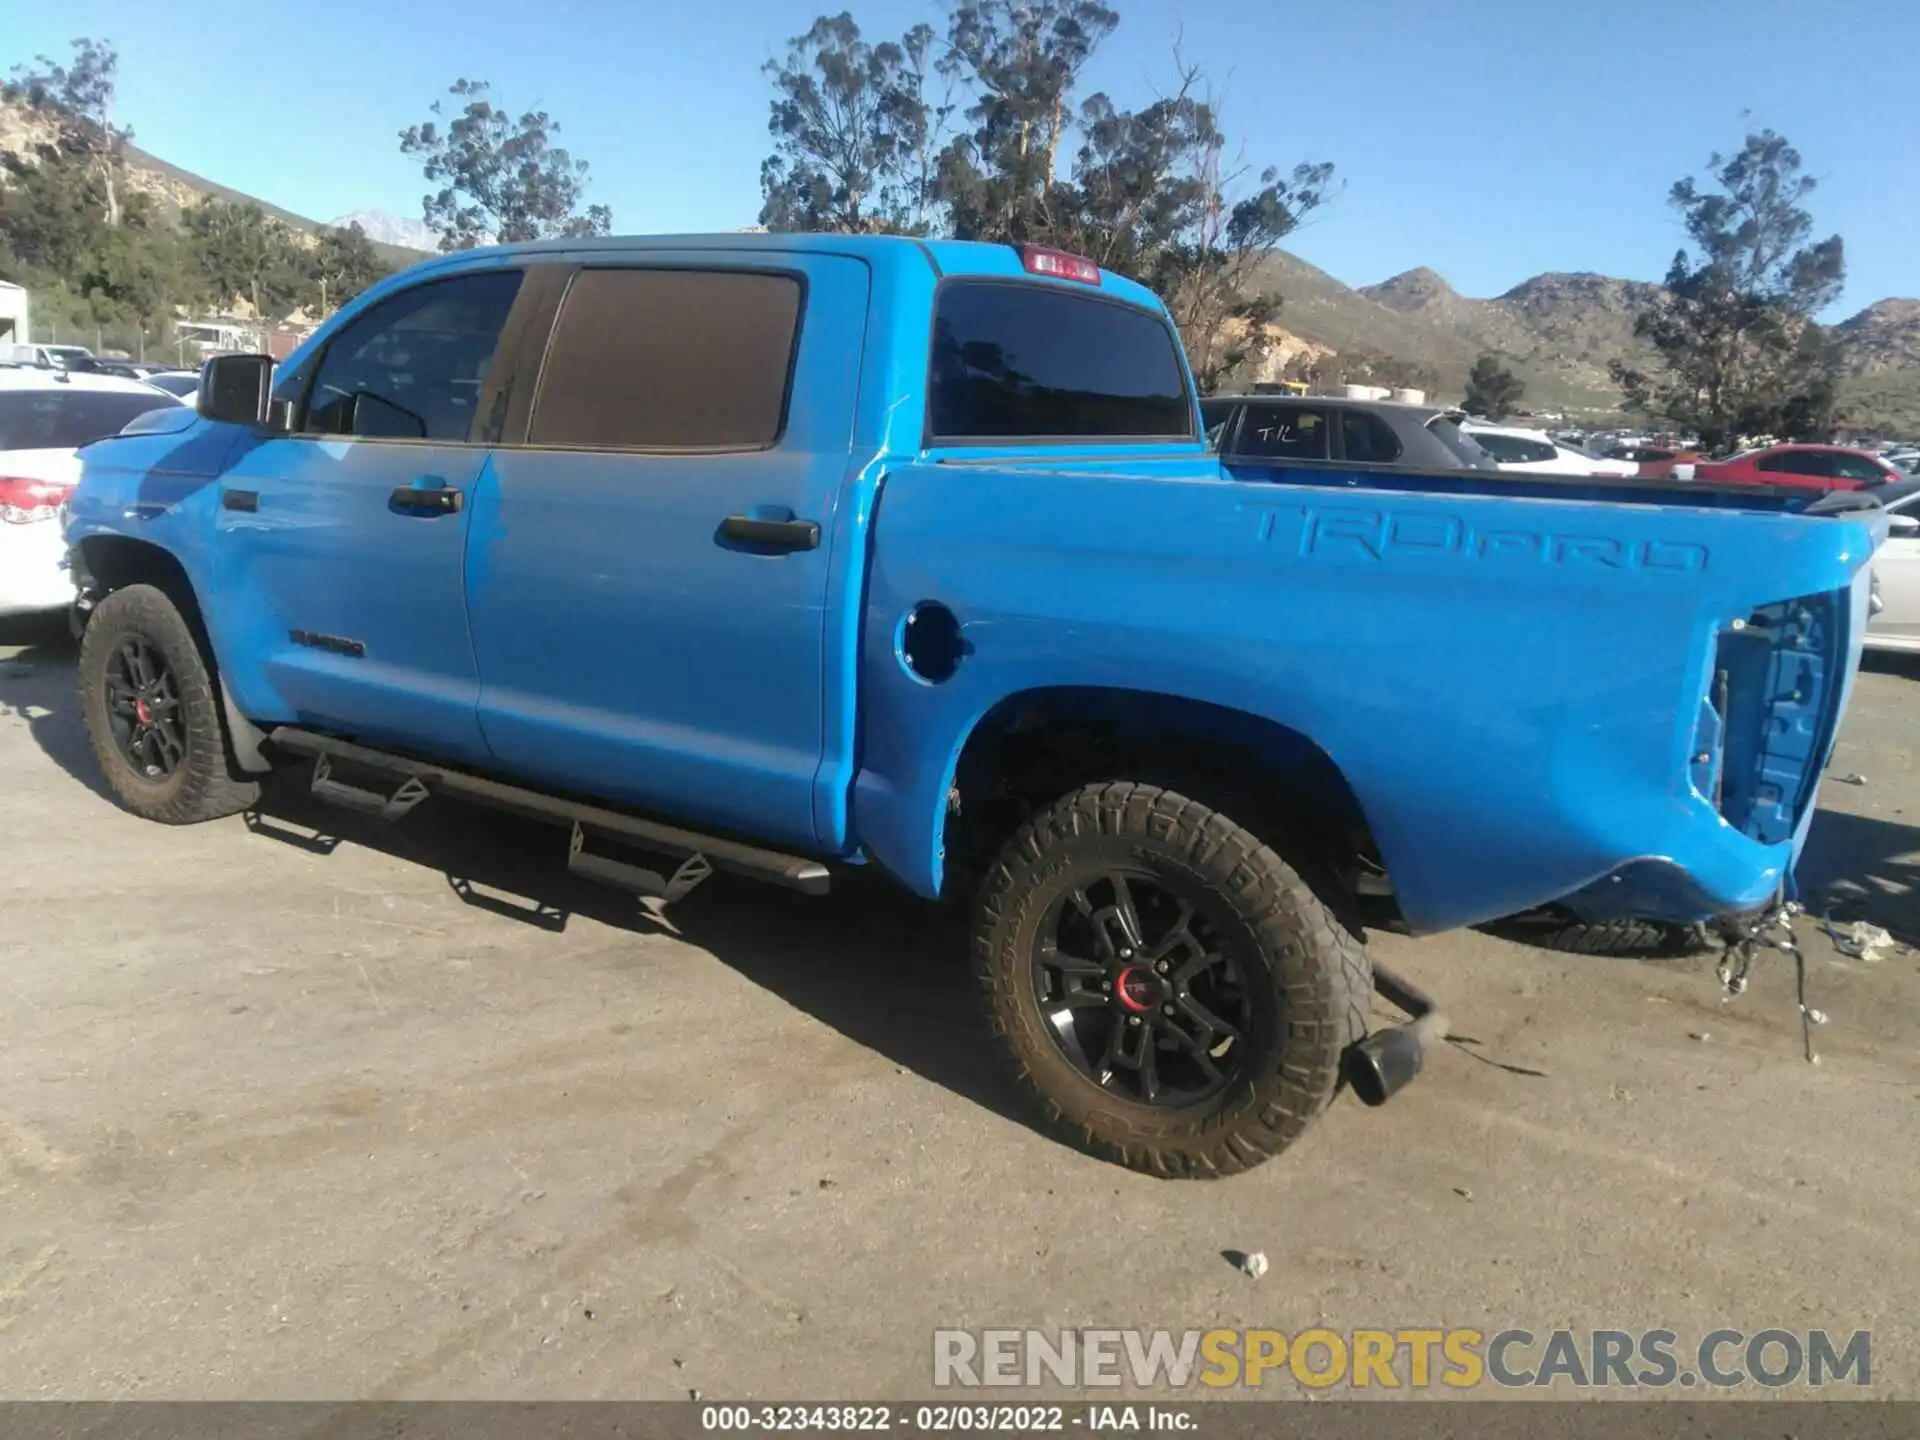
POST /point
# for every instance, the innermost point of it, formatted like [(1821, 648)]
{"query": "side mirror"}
[(1903, 525), (236, 388)]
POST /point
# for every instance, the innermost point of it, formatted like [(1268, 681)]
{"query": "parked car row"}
[(79, 360), (1310, 429), (1537, 453), (1368, 435)]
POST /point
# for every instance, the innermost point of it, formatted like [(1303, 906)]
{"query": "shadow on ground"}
[(1891, 662), (888, 971), (38, 684), (882, 968), (1866, 867), (1859, 867)]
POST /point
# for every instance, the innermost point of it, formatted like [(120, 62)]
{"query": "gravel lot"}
[(309, 1108)]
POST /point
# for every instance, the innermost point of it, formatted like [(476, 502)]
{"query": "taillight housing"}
[(1777, 676), (1058, 264), (23, 500)]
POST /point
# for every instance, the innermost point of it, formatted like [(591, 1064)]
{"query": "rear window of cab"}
[(1023, 361)]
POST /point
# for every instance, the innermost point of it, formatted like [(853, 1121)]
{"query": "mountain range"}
[(1558, 332)]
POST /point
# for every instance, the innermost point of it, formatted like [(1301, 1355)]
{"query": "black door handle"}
[(418, 500), (772, 534), (240, 500)]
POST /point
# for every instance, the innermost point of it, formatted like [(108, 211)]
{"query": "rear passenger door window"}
[(1284, 432), (669, 360), (1365, 439), (413, 366)]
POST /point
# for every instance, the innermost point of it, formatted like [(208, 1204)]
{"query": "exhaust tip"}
[(1381, 1066)]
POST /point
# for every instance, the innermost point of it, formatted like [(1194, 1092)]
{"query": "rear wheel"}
[(152, 712), (1172, 995)]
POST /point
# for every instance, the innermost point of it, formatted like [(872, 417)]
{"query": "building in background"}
[(195, 340), (283, 339), (14, 326)]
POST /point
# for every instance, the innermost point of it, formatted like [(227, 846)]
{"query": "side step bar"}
[(407, 794), (419, 779), (623, 875)]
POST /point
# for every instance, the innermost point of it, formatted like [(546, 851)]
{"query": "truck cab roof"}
[(946, 258)]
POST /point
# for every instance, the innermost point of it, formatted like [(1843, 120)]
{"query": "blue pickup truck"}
[(786, 554)]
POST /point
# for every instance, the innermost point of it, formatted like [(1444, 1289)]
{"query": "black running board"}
[(420, 779)]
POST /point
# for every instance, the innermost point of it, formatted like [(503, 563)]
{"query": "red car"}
[(1815, 467)]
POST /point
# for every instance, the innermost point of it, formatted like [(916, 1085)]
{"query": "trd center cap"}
[(1139, 988)]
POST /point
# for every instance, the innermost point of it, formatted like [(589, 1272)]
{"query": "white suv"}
[(1534, 452)]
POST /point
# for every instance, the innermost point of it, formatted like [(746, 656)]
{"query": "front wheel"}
[(152, 712), (1172, 995)]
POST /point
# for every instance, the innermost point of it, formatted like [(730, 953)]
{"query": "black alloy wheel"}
[(143, 709), (1169, 991), (1140, 994), (152, 707)]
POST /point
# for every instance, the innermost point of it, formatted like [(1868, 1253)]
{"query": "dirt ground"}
[(306, 1108)]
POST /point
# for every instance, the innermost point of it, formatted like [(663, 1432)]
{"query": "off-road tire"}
[(202, 786), (1321, 977)]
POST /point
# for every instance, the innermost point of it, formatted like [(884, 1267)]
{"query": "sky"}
[(1490, 140)]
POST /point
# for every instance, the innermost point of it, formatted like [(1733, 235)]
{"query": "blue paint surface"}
[(1518, 687)]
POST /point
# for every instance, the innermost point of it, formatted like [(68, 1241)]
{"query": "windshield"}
[(182, 384)]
